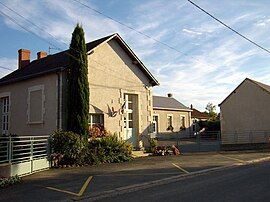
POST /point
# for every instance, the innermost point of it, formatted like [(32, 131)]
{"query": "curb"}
[(145, 185)]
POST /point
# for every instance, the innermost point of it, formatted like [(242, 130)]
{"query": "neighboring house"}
[(197, 116), (170, 112), (245, 114), (33, 98)]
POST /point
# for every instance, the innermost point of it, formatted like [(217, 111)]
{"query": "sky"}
[(210, 60)]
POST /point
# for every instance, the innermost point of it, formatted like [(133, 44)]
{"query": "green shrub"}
[(5, 182), (70, 145), (153, 144), (210, 125), (71, 149), (108, 150)]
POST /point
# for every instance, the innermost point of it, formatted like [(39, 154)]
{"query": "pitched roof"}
[(59, 61), (168, 103), (197, 114), (262, 85), (259, 84)]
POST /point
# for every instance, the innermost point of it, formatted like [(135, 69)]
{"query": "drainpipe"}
[(59, 101)]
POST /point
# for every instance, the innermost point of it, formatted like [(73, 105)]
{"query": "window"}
[(169, 120), (155, 124), (5, 115), (182, 121), (96, 119), (35, 102)]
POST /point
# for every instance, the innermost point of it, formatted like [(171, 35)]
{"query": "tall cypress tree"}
[(78, 86)]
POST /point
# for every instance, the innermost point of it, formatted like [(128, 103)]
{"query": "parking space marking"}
[(63, 191), (182, 169), (85, 186), (82, 190), (232, 158)]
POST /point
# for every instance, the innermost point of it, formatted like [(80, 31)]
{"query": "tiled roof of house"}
[(199, 115), (168, 103), (59, 61)]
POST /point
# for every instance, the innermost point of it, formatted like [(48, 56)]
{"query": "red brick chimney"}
[(24, 58), (41, 54)]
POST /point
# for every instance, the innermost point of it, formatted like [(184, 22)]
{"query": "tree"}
[(211, 110), (78, 86)]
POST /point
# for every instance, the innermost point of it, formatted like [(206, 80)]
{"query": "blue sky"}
[(217, 61)]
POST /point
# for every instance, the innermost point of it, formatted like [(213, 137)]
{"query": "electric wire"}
[(227, 26)]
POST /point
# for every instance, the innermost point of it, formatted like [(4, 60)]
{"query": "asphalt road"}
[(103, 181), (245, 183)]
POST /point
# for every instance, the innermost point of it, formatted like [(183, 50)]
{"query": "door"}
[(129, 130)]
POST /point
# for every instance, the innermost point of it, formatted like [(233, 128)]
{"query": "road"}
[(106, 180), (245, 183)]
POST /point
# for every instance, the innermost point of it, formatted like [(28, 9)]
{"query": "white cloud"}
[(263, 22), (9, 63), (191, 32), (219, 60)]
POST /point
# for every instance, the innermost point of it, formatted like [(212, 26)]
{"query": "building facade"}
[(33, 98), (171, 116), (245, 114)]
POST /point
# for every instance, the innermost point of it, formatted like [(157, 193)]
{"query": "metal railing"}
[(23, 148), (245, 137), (201, 142)]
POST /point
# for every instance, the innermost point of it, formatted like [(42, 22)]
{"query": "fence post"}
[(9, 149), (199, 142), (31, 154), (235, 137), (219, 140)]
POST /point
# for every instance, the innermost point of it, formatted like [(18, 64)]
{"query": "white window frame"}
[(91, 118), (6, 131), (155, 124), (32, 89), (169, 115), (181, 121)]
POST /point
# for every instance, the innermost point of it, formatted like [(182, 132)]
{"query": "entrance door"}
[(129, 129)]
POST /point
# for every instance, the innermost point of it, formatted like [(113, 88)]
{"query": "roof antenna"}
[(52, 48)]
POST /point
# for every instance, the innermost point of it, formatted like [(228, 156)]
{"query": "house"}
[(245, 114), (170, 115), (33, 98), (196, 117)]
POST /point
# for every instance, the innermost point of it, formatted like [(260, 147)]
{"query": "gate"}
[(202, 142), (24, 154)]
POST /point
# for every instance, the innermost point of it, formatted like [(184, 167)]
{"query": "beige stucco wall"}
[(18, 120), (162, 121), (246, 110), (111, 74)]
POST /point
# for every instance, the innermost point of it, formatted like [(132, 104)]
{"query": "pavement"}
[(116, 181)]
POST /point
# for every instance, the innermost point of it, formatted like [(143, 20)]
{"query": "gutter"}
[(172, 109), (58, 69), (59, 122)]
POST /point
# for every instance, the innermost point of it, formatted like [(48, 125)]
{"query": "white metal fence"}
[(25, 154), (245, 137)]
